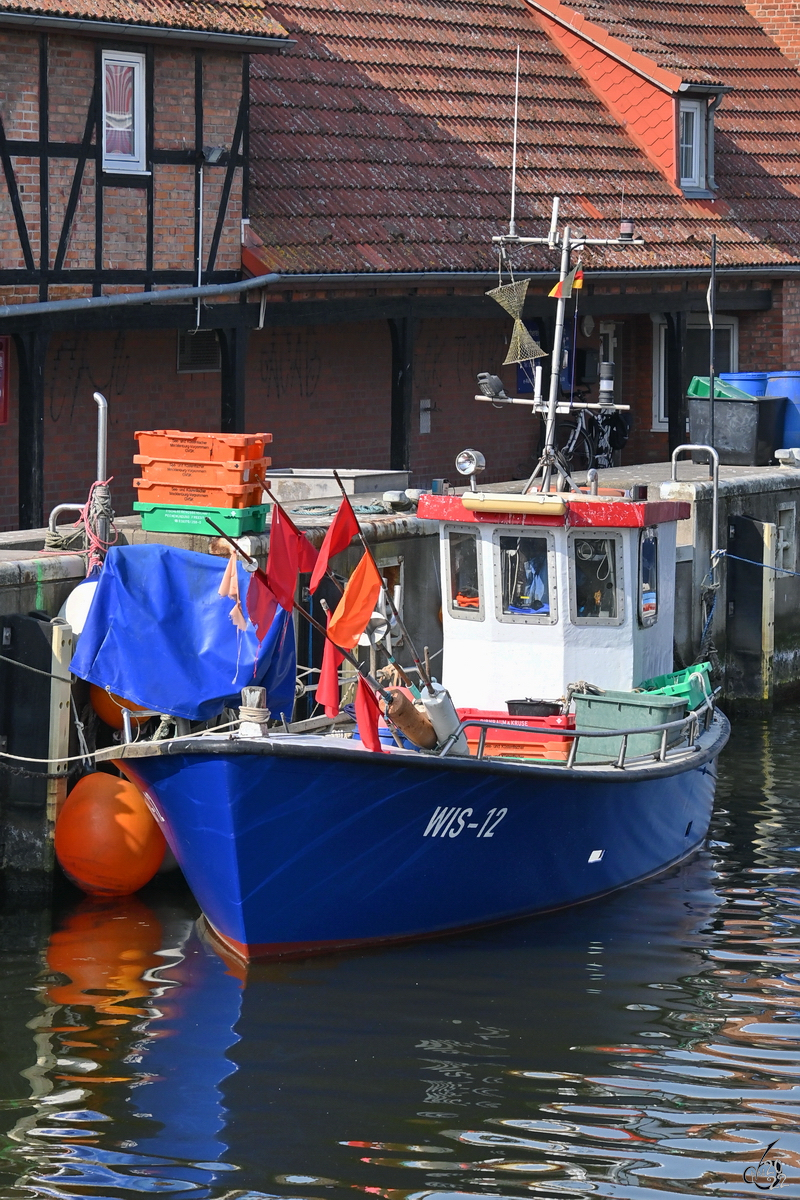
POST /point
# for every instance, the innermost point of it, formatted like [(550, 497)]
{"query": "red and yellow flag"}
[(356, 605), (569, 284)]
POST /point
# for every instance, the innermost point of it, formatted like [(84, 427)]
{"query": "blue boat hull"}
[(304, 848)]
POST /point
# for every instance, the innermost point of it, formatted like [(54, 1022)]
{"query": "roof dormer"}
[(670, 117)]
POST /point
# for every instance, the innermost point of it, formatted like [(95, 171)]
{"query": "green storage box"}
[(692, 684), (624, 710), (700, 385), (186, 518)]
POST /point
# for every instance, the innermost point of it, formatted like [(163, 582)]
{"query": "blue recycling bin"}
[(787, 383), (752, 382)]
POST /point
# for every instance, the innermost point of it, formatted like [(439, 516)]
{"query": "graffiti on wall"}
[(81, 364), (290, 363)]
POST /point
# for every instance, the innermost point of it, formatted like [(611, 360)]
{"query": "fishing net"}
[(522, 347), (511, 297)]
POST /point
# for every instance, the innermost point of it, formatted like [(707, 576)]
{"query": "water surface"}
[(642, 1047)]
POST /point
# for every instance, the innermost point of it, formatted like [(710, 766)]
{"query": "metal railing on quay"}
[(687, 729)]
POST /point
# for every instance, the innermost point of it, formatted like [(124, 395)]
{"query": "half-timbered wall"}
[(68, 228)]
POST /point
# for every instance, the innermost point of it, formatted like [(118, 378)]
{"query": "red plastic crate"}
[(229, 495), (198, 472), (210, 447), (532, 737)]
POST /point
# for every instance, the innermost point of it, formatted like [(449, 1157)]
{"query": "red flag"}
[(341, 531), (367, 714), (283, 563), (261, 604), (328, 685), (356, 605), (306, 553)]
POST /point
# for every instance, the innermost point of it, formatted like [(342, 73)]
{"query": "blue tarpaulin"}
[(159, 635)]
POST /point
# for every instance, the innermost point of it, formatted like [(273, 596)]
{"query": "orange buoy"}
[(109, 707), (107, 840)]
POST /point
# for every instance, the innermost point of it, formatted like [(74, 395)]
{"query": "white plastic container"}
[(443, 717)]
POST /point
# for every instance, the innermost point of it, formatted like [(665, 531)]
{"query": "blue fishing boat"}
[(296, 842)]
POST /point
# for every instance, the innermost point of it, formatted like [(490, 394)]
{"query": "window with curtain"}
[(123, 111)]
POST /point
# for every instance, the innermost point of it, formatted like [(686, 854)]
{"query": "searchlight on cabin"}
[(470, 463)]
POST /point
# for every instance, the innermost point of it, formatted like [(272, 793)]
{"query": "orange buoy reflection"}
[(107, 840), (105, 947)]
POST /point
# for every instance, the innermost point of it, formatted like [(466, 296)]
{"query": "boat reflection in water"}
[(643, 1046), (131, 1052)]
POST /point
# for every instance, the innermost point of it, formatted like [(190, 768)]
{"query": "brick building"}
[(123, 139), (381, 152), (367, 169)]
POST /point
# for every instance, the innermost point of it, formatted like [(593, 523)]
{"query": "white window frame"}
[(698, 177), (464, 614), (595, 535), (129, 164), (693, 321), (528, 531)]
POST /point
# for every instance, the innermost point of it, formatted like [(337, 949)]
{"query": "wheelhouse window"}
[(463, 562), (123, 111), (648, 576), (526, 585), (692, 144), (595, 564)]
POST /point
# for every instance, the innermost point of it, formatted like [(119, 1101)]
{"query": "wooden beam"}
[(16, 203), (44, 165), (31, 355), (77, 182), (233, 346), (238, 134), (673, 377), (298, 313), (402, 332)]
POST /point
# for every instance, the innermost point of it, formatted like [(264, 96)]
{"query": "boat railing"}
[(677, 737)]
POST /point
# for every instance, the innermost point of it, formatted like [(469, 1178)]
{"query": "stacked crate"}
[(187, 477)]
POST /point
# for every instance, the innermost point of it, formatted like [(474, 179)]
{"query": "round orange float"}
[(107, 840), (109, 707)]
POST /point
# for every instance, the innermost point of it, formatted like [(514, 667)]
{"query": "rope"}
[(93, 753), (328, 510), (753, 563), (258, 715), (87, 527), (35, 670)]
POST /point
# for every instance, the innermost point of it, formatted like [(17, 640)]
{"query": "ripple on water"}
[(643, 1048)]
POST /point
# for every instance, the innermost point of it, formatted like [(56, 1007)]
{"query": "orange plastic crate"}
[(532, 737), (197, 471), (228, 495), (210, 447)]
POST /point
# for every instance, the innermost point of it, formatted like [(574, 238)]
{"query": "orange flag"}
[(356, 605)]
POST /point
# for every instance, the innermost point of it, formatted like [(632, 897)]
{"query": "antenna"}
[(511, 226), (552, 236)]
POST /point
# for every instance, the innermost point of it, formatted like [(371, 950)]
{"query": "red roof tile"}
[(217, 16), (382, 142)]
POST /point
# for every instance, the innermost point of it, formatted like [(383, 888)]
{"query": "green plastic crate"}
[(624, 710), (186, 518), (693, 684), (701, 384)]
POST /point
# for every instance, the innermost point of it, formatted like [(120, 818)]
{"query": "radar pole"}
[(551, 461)]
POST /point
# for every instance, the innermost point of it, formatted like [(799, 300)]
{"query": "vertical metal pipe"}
[(102, 435), (555, 362), (712, 313), (511, 226), (199, 240), (102, 455)]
